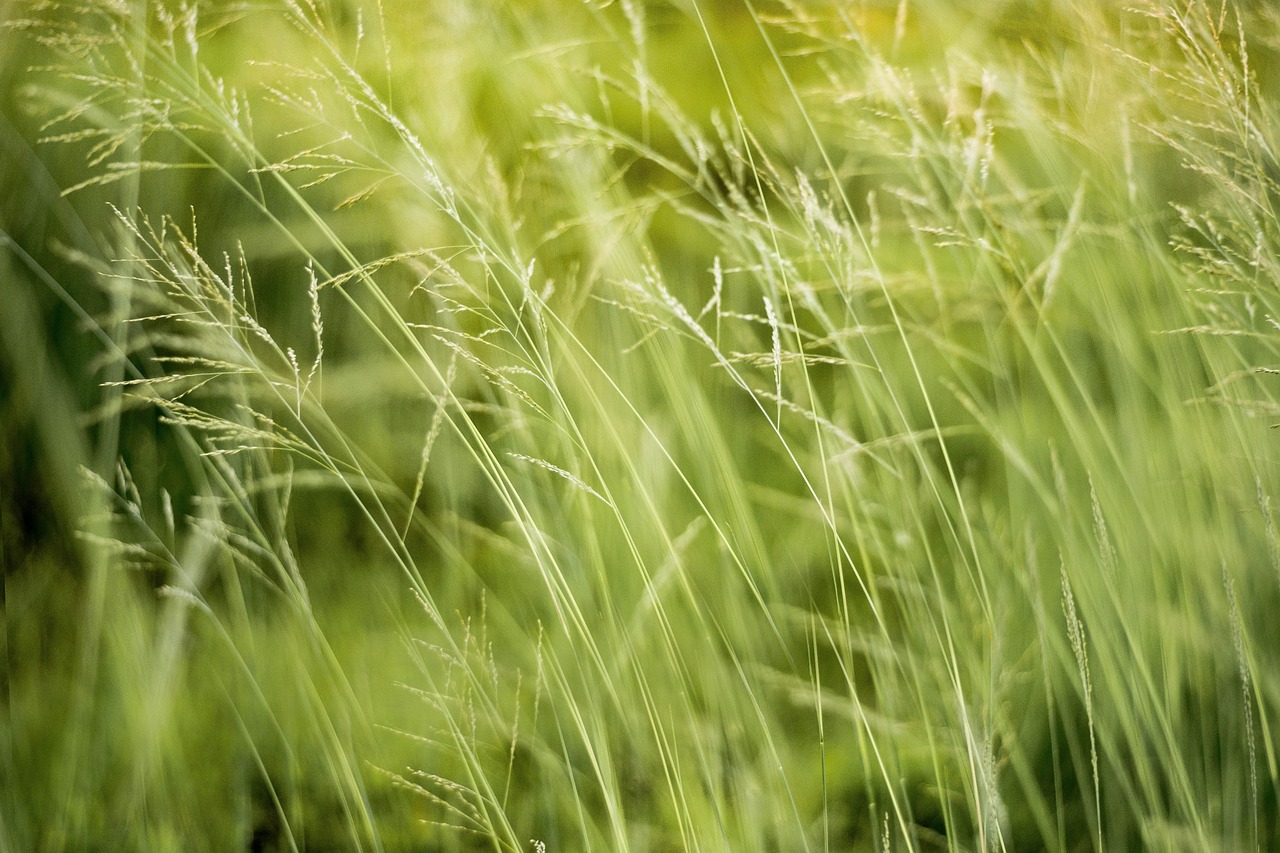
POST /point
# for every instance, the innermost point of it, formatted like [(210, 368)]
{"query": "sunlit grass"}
[(613, 427)]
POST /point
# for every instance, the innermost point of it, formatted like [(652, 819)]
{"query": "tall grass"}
[(621, 427)]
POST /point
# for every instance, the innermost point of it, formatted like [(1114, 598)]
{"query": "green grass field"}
[(540, 425)]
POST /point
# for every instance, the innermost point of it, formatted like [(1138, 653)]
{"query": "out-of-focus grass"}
[(637, 426)]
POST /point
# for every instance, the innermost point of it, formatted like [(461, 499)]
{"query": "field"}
[(574, 425)]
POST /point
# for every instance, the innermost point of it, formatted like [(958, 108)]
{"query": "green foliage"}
[(640, 426)]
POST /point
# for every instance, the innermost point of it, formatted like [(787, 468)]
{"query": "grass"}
[(624, 427)]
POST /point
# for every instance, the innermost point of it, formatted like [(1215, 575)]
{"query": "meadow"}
[(610, 425)]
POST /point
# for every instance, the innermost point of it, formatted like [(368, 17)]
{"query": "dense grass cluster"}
[(638, 426)]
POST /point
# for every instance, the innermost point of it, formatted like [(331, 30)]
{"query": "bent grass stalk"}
[(757, 477)]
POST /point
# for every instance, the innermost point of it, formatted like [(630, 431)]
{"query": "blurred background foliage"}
[(989, 215)]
